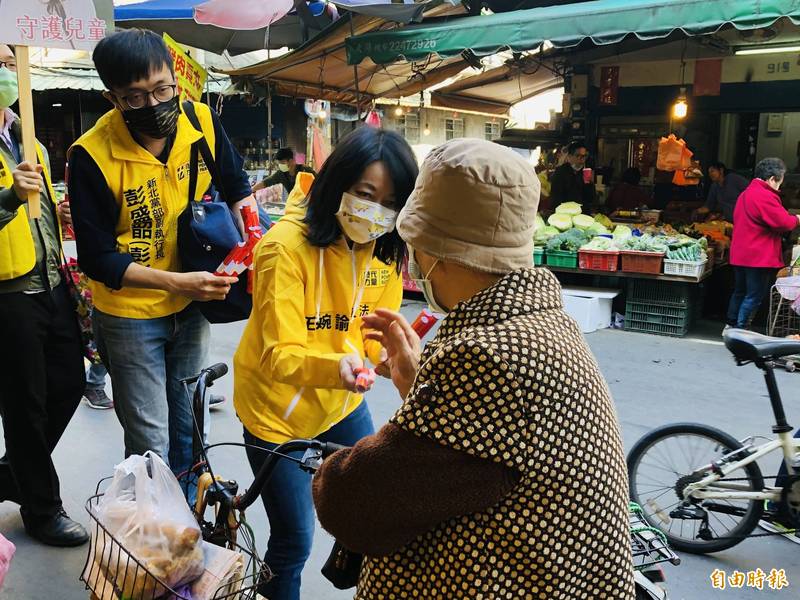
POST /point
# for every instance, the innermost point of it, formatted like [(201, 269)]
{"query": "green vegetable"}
[(645, 243), (604, 220), (543, 234), (569, 208), (560, 221), (599, 243), (622, 233), (568, 241), (598, 229), (539, 223), (583, 221)]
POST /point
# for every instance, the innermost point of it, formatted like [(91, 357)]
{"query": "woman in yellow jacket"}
[(328, 262)]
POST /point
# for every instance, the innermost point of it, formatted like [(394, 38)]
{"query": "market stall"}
[(657, 269)]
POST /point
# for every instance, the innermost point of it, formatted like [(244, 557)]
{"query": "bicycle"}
[(649, 545), (228, 526), (702, 487)]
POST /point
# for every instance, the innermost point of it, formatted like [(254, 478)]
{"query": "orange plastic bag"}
[(673, 155)]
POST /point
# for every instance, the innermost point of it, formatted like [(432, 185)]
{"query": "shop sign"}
[(68, 24), (609, 86), (190, 74), (707, 78)]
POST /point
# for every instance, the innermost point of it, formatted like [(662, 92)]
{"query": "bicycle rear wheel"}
[(663, 463)]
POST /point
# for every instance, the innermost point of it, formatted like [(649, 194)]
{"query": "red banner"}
[(707, 77), (609, 86)]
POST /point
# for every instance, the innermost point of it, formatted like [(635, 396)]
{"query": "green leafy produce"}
[(568, 241), (569, 208), (539, 223), (599, 243), (583, 221), (598, 229), (645, 243), (560, 221), (604, 220), (622, 233), (543, 234)]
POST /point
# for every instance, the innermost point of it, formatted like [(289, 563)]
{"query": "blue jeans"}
[(752, 285), (96, 377), (146, 359), (290, 508)]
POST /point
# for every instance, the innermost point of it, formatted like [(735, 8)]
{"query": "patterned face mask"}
[(8, 88), (157, 122), (363, 221)]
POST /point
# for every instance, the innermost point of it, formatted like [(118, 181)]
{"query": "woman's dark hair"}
[(284, 154), (719, 166), (573, 148), (342, 171), (130, 55), (770, 167), (632, 176)]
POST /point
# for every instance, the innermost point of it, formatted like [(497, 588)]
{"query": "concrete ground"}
[(654, 381)]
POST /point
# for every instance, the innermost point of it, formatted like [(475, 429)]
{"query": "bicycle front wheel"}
[(665, 461)]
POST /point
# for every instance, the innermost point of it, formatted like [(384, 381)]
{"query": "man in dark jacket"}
[(567, 181), (286, 173)]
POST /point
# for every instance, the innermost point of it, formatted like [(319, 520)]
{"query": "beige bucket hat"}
[(474, 204)]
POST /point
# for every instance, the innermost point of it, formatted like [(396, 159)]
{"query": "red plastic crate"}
[(598, 260), (641, 262)]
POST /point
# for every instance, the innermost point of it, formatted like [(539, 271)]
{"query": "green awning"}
[(602, 21)]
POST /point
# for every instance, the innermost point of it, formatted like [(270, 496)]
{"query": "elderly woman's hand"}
[(402, 344)]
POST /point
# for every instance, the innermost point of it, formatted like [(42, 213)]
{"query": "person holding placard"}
[(41, 359)]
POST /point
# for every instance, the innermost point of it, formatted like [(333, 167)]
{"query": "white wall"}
[(783, 145)]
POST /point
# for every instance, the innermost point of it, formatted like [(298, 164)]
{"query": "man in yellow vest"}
[(41, 361), (129, 182)]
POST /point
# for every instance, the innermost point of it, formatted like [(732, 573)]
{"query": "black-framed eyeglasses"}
[(11, 65), (163, 93)]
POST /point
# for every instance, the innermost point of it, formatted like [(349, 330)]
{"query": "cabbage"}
[(597, 229), (560, 221), (569, 208), (599, 243), (606, 222), (583, 221), (622, 233), (539, 223), (545, 233)]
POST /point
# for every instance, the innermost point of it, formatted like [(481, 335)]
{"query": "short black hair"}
[(284, 154), (770, 167), (342, 171), (130, 55), (573, 148), (719, 166), (632, 176)]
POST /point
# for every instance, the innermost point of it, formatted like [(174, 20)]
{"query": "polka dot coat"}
[(509, 378)]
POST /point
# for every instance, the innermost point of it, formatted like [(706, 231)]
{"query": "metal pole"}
[(355, 75), (269, 123)]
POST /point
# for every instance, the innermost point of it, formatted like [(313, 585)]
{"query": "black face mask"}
[(157, 122)]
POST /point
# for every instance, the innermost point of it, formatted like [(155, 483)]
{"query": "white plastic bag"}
[(146, 512)]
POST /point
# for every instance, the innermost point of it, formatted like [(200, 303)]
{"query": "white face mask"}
[(283, 167), (363, 221), (424, 283)]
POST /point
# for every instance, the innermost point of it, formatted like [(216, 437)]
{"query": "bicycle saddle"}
[(750, 346)]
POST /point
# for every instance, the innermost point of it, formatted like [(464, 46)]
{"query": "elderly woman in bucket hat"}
[(502, 474)]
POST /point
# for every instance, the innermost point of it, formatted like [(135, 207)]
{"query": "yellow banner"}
[(190, 74)]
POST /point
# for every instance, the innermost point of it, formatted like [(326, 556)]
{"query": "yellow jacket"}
[(17, 248), (151, 196), (286, 369)]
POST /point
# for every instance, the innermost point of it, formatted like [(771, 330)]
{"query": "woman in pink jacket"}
[(759, 221)]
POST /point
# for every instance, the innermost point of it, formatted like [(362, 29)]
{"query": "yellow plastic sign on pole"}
[(190, 74)]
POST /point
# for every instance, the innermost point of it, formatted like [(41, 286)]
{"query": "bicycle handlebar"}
[(324, 450)]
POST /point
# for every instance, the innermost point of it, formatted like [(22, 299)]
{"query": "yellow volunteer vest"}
[(150, 196), (17, 250)]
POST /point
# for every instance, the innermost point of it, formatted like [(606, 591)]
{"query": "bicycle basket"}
[(113, 573), (649, 544)]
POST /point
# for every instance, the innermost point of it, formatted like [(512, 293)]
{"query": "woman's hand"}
[(402, 344), (348, 372)]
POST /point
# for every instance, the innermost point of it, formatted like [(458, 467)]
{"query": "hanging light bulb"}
[(427, 130), (681, 107), (323, 114), (398, 112)]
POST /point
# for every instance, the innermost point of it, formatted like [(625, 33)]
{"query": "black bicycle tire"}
[(747, 525)]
